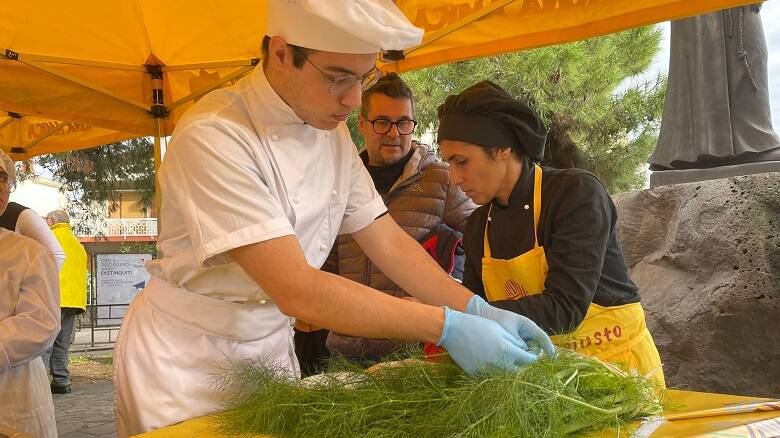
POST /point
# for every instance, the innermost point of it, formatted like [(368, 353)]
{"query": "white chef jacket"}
[(242, 168), (29, 299), (29, 322)]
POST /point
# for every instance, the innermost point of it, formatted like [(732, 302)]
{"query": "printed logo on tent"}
[(203, 80)]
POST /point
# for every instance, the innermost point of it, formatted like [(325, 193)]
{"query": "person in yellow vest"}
[(543, 243), (73, 299)]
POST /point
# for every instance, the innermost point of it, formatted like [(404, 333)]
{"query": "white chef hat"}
[(342, 26), (7, 165)]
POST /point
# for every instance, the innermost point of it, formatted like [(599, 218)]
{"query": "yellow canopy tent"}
[(115, 70), (32, 134), (104, 71), (460, 29)]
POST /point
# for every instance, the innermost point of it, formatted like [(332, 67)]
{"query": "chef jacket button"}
[(334, 193), (526, 207), (323, 247), (295, 200), (274, 137), (262, 301), (327, 134)]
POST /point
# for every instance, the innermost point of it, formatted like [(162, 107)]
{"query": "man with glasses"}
[(415, 187), (258, 181)]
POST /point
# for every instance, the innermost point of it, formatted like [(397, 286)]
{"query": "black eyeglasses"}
[(341, 84), (382, 126)]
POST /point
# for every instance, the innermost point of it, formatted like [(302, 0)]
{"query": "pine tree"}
[(94, 178), (597, 121)]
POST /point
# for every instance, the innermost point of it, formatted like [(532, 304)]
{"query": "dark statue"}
[(717, 101)]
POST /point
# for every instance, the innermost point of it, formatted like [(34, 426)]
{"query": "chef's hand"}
[(474, 343), (519, 326)]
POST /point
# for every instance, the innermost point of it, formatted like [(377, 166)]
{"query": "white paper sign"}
[(119, 278)]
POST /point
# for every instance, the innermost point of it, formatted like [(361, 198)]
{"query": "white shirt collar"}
[(268, 99)]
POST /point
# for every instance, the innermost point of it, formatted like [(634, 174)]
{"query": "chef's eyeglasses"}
[(382, 126), (7, 184), (341, 84)]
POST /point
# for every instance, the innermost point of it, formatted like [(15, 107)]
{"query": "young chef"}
[(258, 181)]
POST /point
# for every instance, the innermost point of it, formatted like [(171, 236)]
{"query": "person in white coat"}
[(258, 181), (29, 321)]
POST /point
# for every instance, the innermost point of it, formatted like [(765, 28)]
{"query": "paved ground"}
[(88, 411)]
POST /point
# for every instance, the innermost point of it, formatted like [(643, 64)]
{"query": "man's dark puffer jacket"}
[(421, 199)]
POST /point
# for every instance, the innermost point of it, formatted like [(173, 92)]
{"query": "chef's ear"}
[(280, 54)]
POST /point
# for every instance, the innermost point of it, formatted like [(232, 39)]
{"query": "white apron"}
[(25, 400), (164, 365)]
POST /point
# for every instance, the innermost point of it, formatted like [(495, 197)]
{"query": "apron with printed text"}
[(614, 334)]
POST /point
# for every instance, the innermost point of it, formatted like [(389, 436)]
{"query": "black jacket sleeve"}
[(575, 236), (472, 280)]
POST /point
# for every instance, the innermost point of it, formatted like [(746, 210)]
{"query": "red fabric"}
[(434, 353), (432, 246)]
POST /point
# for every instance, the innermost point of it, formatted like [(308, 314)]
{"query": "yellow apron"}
[(615, 334)]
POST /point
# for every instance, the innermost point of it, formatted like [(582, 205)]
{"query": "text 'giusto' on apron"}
[(615, 334)]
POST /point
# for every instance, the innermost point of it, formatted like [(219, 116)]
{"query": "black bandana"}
[(486, 115)]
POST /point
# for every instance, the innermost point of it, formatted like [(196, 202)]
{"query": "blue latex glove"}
[(518, 325), (475, 343)]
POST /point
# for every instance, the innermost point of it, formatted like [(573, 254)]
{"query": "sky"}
[(770, 16)]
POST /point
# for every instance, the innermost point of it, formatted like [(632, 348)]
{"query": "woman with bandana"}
[(543, 244)]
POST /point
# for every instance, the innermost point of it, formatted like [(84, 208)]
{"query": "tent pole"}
[(158, 112), (6, 122), (157, 161), (42, 137), (87, 84), (30, 57), (20, 136)]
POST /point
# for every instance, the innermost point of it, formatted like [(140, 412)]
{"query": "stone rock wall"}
[(706, 257)]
